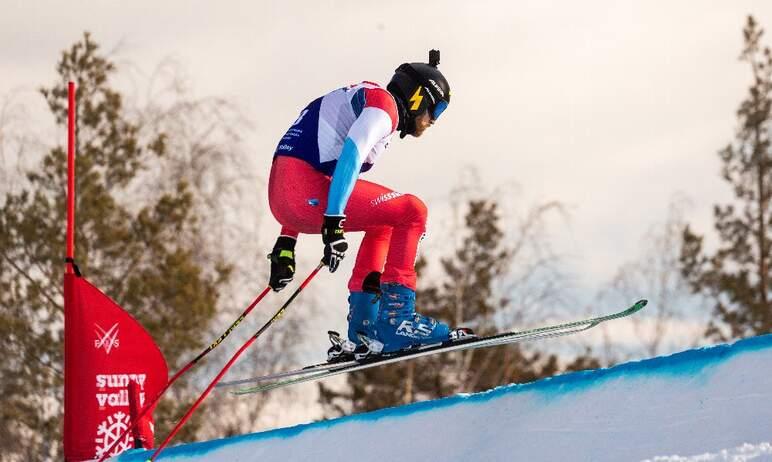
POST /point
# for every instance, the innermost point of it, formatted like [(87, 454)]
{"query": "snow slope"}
[(700, 405)]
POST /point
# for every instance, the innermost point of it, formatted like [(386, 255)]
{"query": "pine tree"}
[(737, 275), (140, 249)]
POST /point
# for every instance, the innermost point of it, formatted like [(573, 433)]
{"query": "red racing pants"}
[(393, 223)]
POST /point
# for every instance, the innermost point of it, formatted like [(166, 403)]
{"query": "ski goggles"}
[(438, 109)]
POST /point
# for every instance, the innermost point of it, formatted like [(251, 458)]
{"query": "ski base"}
[(324, 370)]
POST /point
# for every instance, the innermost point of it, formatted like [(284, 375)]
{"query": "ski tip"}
[(640, 304)]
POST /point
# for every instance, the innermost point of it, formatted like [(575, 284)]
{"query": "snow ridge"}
[(712, 402)]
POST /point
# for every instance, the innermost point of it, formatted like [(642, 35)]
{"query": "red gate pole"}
[(70, 177)]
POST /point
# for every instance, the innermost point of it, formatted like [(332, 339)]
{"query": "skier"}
[(314, 187)]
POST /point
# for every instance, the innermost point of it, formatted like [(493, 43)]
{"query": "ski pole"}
[(233, 359), (179, 373)]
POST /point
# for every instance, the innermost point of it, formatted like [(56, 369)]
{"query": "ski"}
[(280, 375), (324, 370)]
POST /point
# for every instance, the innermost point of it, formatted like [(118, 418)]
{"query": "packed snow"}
[(709, 404), (738, 454)]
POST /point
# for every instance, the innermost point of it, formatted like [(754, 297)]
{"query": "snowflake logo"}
[(109, 431)]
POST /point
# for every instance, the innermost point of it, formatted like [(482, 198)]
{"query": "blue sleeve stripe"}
[(344, 178), (358, 102)]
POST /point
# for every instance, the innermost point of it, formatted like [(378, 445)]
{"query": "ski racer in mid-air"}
[(314, 187)]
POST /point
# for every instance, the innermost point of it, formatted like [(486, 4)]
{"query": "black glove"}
[(282, 263), (334, 243)]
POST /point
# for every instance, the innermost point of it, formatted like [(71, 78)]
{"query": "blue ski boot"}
[(362, 311), (363, 308), (399, 327)]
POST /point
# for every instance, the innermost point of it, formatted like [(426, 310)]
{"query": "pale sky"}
[(611, 107)]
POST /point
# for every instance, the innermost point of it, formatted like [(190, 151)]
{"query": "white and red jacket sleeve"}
[(377, 120)]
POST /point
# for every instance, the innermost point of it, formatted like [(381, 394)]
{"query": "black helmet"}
[(417, 87)]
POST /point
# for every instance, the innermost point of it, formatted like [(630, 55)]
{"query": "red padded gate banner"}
[(105, 351)]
